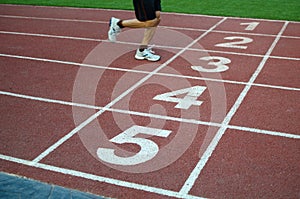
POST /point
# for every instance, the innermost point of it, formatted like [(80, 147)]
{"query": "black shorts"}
[(145, 9)]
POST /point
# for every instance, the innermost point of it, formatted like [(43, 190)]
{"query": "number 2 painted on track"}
[(148, 148), (236, 44)]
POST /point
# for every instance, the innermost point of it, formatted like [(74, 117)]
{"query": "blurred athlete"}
[(147, 14)]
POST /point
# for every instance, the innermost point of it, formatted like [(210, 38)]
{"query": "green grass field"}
[(266, 9)]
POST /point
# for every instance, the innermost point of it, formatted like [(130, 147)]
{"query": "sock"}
[(120, 24), (142, 48)]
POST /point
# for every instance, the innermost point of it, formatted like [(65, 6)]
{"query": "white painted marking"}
[(67, 136), (53, 101), (243, 54), (189, 183), (170, 27), (254, 34), (67, 171), (190, 98), (167, 13), (148, 148), (50, 36), (236, 44), (264, 132), (71, 63), (221, 65), (145, 72), (167, 118), (276, 87), (250, 26), (96, 178), (109, 109), (137, 44), (51, 19), (136, 85)]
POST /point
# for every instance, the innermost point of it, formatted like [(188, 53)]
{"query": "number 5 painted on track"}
[(149, 149)]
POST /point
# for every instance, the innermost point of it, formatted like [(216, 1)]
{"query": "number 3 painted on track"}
[(148, 150), (221, 64)]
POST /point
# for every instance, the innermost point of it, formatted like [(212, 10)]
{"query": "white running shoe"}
[(114, 29), (146, 54)]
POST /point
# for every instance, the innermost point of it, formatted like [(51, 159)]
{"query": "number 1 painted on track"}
[(250, 26)]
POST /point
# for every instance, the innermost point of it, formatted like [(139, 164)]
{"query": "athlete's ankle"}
[(120, 24), (142, 48)]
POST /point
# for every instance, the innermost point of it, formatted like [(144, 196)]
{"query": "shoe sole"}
[(144, 58)]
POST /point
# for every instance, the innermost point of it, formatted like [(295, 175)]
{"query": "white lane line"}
[(207, 154), (50, 36), (137, 84), (53, 101), (146, 72), (69, 63), (170, 27), (137, 44), (84, 175), (130, 11), (51, 19), (276, 87), (232, 32), (264, 132), (143, 114), (67, 136)]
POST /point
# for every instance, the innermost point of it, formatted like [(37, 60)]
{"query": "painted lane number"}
[(220, 64), (250, 26), (189, 99), (148, 148), (236, 44)]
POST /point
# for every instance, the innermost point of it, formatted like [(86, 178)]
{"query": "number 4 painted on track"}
[(190, 98)]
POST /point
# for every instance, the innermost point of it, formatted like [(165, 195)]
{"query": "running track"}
[(66, 92)]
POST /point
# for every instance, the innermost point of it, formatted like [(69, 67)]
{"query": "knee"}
[(157, 13), (152, 23)]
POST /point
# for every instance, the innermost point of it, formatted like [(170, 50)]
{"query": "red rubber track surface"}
[(66, 91)]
